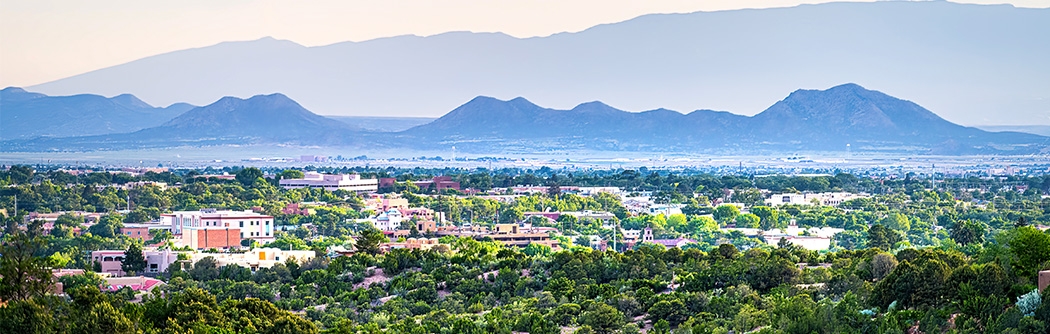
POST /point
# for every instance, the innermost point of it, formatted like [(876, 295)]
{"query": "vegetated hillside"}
[(261, 119), (25, 114), (805, 120), (960, 59)]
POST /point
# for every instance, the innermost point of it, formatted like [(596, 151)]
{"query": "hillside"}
[(805, 120), (968, 62), (25, 115), (261, 119)]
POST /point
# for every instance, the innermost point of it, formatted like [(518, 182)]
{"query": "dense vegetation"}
[(960, 256)]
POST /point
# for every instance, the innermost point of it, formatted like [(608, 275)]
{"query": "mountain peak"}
[(13, 89), (131, 101)]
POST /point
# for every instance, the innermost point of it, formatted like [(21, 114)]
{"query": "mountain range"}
[(26, 115), (975, 64), (806, 120)]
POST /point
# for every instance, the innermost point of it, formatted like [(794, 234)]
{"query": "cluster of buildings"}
[(158, 261), (218, 229), (826, 198), (332, 182)]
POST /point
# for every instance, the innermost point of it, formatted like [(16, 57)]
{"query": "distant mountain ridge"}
[(971, 63), (25, 115), (261, 119), (806, 120)]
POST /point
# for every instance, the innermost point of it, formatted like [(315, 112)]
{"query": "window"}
[(242, 223)]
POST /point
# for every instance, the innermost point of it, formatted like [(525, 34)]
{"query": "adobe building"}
[(1044, 280)]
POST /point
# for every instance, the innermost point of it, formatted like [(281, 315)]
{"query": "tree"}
[(134, 261), (748, 220), (1031, 248), (769, 218), (726, 213), (882, 264), (292, 174), (205, 269), (601, 317), (881, 237), (23, 275), (248, 176), (370, 240), (968, 232)]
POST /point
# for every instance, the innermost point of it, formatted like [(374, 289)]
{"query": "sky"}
[(46, 40)]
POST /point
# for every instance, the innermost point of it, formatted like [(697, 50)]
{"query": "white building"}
[(388, 221), (249, 225), (256, 258), (828, 199), (332, 182)]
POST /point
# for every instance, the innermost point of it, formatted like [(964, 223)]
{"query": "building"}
[(410, 243), (109, 261), (256, 258), (135, 283), (605, 218), (425, 226), (1044, 280), (136, 231), (211, 228), (382, 204), (332, 182), (389, 220), (827, 199), (807, 242), (210, 237), (297, 209), (673, 243), (439, 183)]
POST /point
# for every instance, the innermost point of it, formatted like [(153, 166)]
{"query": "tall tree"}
[(134, 261), (881, 237), (369, 241), (23, 274)]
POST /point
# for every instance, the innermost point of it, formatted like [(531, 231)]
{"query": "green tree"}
[(248, 176), (134, 261), (292, 174), (601, 317), (369, 241), (748, 220), (726, 213), (968, 232), (882, 238), (769, 218), (1031, 248), (23, 274)]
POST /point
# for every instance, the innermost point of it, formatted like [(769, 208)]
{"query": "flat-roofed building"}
[(244, 224), (332, 182)]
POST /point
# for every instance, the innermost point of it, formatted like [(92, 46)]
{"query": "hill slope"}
[(261, 119), (25, 115), (967, 61), (805, 120)]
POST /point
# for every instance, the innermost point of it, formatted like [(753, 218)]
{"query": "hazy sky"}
[(45, 40)]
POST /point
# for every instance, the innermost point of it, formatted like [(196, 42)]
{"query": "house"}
[(109, 261), (425, 226), (135, 283), (389, 220), (333, 182)]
